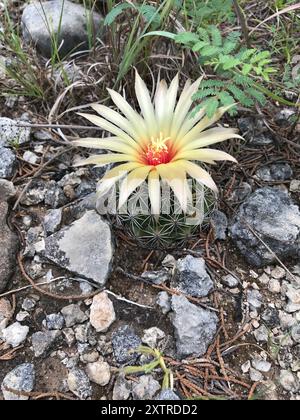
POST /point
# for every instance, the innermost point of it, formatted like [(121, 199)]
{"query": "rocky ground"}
[(77, 297)]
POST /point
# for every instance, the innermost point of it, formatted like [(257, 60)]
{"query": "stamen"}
[(157, 151)]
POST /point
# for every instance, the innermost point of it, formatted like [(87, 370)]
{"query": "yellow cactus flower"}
[(161, 144)]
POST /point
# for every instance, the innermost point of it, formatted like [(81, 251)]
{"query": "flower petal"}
[(112, 176), (202, 125), (109, 143), (154, 192), (105, 159), (211, 136), (135, 119), (132, 182), (198, 173), (205, 155), (145, 103), (107, 126), (116, 119)]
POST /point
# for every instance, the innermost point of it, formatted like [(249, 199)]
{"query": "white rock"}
[(15, 334), (255, 376), (102, 312), (288, 381), (30, 157), (278, 273), (274, 286), (152, 336), (99, 373), (261, 365)]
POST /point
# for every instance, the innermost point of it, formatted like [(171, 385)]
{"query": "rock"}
[(284, 117), (241, 192), (99, 373), (79, 384), (122, 389), (54, 322), (42, 342), (288, 381), (262, 334), (296, 333), (167, 394), (254, 131), (20, 379), (83, 248), (152, 336), (145, 388), (271, 318), (163, 301), (286, 320), (55, 196), (70, 26), (28, 304), (10, 133), (82, 332), (7, 190), (124, 340), (275, 172), (30, 157), (102, 312), (52, 221), (274, 286), (36, 193), (255, 376), (295, 186), (278, 273), (7, 162), (230, 281), (254, 299), (8, 240), (261, 365), (73, 315), (293, 294), (192, 278), (219, 223), (268, 390), (275, 219), (156, 277), (246, 366), (15, 334), (195, 327)]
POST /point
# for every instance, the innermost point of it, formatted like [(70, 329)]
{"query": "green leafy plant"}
[(204, 12), (158, 362), (238, 70)]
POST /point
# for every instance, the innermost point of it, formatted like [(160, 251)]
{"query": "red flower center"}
[(158, 151)]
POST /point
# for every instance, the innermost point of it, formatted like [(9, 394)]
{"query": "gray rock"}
[(261, 365), (156, 277), (7, 162), (8, 240), (20, 379), (195, 327), (79, 384), (36, 193), (275, 219), (7, 190), (124, 340), (152, 336), (28, 304), (84, 248), (145, 388), (261, 334), (52, 221), (55, 196), (254, 131), (42, 342), (275, 172), (271, 317), (73, 315), (254, 299), (54, 322), (10, 133), (122, 389), (241, 192), (30, 157), (167, 394), (219, 223), (284, 117), (164, 302), (295, 186), (15, 334), (296, 333), (192, 278), (70, 26), (230, 281), (255, 376), (288, 381)]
